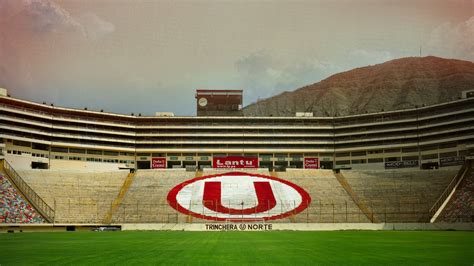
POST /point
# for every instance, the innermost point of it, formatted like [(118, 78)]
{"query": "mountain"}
[(393, 85)]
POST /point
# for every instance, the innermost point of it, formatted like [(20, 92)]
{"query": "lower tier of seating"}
[(400, 195), (330, 203), (393, 196), (76, 196), (145, 201)]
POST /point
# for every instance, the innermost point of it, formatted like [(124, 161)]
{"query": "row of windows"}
[(90, 151), (339, 162), (405, 158), (403, 150), (90, 159), (71, 158), (17, 152), (262, 155)]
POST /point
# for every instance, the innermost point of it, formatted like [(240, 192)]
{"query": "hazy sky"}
[(147, 56)]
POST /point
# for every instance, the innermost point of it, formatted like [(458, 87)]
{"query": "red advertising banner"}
[(235, 162), (311, 163), (158, 162)]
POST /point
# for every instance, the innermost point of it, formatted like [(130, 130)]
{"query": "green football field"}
[(238, 248)]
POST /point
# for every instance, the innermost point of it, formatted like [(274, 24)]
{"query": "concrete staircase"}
[(121, 195), (361, 204)]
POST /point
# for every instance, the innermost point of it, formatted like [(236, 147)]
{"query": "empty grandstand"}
[(76, 196), (400, 195), (146, 198)]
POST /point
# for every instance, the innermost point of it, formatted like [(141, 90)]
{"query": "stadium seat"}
[(400, 195), (13, 208)]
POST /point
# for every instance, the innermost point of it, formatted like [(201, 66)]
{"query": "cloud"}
[(262, 74), (254, 64), (256, 71), (453, 40), (30, 29), (45, 17), (95, 27)]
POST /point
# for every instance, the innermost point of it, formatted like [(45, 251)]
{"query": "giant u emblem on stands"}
[(212, 199), (238, 197)]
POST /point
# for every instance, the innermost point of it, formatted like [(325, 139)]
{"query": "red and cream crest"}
[(238, 197)]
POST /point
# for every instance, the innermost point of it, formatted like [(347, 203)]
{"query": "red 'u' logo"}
[(212, 199)]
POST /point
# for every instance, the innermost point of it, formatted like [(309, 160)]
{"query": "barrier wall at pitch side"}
[(243, 227), (301, 226)]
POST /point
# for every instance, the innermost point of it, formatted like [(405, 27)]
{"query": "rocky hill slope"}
[(397, 84)]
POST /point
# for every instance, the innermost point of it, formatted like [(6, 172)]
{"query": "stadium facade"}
[(38, 135), (82, 167)]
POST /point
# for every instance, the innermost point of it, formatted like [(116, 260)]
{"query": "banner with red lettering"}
[(311, 163), (235, 162), (158, 162)]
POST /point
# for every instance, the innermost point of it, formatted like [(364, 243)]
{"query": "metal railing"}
[(317, 212), (38, 203), (69, 211), (92, 210), (464, 169)]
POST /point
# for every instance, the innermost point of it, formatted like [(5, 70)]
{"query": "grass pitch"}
[(237, 248)]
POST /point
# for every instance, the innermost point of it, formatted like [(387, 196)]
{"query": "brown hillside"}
[(397, 84)]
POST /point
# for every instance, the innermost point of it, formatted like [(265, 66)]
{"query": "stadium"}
[(88, 167), (66, 169), (276, 132)]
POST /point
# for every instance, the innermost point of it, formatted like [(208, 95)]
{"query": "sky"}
[(150, 56)]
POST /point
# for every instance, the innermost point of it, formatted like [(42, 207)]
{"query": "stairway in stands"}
[(360, 203), (121, 195)]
